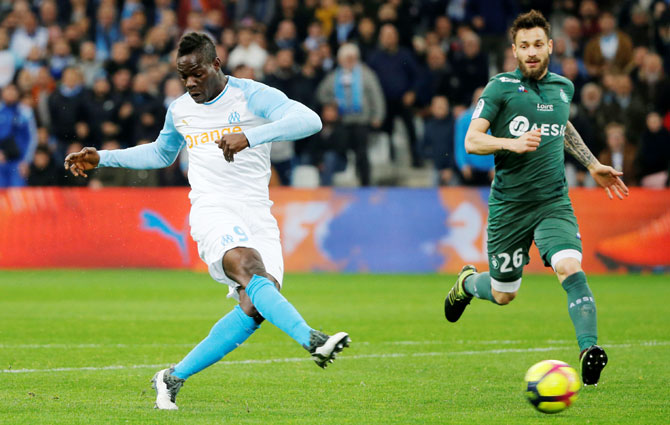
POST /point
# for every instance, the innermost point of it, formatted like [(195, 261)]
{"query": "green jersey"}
[(515, 105)]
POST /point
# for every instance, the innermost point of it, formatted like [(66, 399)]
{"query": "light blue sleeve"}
[(460, 129), (158, 154), (291, 120)]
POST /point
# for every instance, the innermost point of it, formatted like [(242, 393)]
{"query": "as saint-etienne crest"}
[(494, 262), (564, 97)]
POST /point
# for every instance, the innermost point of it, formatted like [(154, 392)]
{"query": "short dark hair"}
[(526, 21), (198, 43)]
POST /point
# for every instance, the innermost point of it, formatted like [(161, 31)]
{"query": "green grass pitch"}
[(79, 347)]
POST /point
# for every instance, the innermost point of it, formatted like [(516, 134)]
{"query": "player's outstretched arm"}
[(80, 162), (606, 176), (478, 142)]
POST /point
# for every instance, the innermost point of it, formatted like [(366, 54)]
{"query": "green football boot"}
[(457, 299)]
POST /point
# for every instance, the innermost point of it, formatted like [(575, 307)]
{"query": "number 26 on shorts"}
[(505, 261)]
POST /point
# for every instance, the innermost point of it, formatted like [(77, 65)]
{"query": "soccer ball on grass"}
[(552, 386)]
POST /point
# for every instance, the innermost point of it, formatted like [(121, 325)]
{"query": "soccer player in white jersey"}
[(230, 217)]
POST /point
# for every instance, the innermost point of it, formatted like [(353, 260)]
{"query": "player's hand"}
[(610, 179), (528, 142), (232, 144), (79, 162)]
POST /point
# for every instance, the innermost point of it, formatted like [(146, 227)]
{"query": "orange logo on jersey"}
[(210, 136)]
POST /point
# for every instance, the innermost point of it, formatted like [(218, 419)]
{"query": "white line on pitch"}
[(353, 357), (434, 342)]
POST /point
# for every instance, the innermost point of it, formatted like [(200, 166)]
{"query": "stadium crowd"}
[(101, 73)]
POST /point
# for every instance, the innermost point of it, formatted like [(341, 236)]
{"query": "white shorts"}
[(217, 229)]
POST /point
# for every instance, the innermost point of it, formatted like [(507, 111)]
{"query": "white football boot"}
[(167, 386)]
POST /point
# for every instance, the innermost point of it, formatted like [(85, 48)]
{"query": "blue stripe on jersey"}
[(158, 154), (217, 97), (291, 120)]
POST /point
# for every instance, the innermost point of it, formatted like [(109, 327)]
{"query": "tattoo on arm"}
[(576, 146)]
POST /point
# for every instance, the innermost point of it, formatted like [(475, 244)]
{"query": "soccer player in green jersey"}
[(527, 112)]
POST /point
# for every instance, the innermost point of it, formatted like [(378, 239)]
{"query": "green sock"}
[(479, 285), (582, 309)]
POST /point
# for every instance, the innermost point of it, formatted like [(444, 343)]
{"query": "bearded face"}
[(532, 49)]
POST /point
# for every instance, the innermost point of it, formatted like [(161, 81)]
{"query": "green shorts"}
[(513, 226)]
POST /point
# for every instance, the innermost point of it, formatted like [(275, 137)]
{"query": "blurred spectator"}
[(102, 111), (491, 19), (588, 14), (119, 59), (48, 13), (43, 171), (248, 52), (626, 107), (653, 85), (366, 37), (89, 66), (471, 68), (591, 109), (243, 71), (345, 27), (172, 90), (8, 62), (356, 91), (619, 153), (434, 77), (653, 160), (148, 111), (293, 11), (259, 10), (286, 37), (27, 36), (326, 13), (476, 170), (105, 31), (445, 36), (281, 158), (438, 140), (571, 33), (610, 50), (329, 146), (570, 70), (123, 97), (61, 57), (67, 108), (397, 72), (640, 27), (18, 138), (288, 78), (315, 36)]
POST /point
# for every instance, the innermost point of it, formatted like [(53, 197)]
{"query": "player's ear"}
[(551, 45), (216, 63), (514, 50)]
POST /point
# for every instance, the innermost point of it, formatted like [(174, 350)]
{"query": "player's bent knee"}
[(567, 267), (566, 262), (503, 298), (504, 292), (240, 264)]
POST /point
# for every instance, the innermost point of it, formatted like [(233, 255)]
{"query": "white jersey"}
[(262, 113)]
